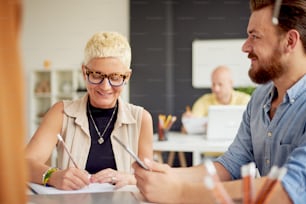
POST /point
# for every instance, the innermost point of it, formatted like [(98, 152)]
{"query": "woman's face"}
[(106, 93)]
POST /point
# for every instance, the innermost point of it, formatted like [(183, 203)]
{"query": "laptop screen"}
[(224, 121)]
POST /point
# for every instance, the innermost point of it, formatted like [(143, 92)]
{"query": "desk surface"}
[(188, 143), (128, 194), (131, 195), (82, 198), (197, 144)]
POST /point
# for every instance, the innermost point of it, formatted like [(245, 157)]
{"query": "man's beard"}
[(267, 69)]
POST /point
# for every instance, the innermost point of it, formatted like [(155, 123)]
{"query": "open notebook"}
[(224, 121)]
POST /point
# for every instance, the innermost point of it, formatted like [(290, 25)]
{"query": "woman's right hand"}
[(69, 179)]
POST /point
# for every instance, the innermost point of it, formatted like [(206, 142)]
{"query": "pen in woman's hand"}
[(66, 149)]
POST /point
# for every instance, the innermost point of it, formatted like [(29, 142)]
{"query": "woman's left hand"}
[(119, 179)]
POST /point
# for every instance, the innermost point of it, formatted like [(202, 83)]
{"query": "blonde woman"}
[(87, 125)]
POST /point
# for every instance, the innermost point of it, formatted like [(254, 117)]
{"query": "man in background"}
[(222, 93)]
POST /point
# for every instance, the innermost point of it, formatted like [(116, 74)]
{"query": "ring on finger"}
[(113, 179)]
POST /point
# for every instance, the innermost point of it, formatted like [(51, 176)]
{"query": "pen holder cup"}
[(162, 134)]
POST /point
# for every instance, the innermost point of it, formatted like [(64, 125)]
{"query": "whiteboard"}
[(208, 54)]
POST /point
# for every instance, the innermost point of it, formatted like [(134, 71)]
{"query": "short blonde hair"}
[(108, 44)]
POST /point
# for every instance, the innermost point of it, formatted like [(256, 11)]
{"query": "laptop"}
[(224, 121)]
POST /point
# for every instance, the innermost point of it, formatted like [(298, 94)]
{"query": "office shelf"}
[(50, 86)]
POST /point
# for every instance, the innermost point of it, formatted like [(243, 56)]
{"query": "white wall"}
[(58, 30)]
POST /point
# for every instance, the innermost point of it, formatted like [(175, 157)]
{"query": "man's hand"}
[(161, 184)]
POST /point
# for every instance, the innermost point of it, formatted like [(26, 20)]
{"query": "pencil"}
[(67, 151), (212, 183), (281, 173), (167, 122), (32, 189), (248, 174), (169, 125), (274, 176), (188, 109)]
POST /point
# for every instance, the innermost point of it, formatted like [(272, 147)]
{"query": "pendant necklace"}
[(101, 140)]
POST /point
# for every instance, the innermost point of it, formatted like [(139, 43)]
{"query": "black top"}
[(101, 156)]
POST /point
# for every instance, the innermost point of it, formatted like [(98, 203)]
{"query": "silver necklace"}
[(101, 140)]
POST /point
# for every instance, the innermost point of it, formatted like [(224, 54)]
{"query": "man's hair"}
[(108, 44), (292, 15)]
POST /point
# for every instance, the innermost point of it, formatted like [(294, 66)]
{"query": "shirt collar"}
[(124, 114), (297, 89), (293, 92)]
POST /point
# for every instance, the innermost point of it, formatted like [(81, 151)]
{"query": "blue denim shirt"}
[(280, 141)]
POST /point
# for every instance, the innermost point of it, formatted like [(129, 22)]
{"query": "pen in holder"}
[(164, 125)]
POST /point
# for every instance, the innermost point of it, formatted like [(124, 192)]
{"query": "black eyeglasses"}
[(114, 79)]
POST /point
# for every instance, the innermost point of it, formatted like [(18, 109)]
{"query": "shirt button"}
[(267, 161), (270, 134)]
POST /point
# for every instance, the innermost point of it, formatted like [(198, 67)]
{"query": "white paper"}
[(91, 188), (195, 125)]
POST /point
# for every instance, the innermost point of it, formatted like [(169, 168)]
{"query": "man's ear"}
[(292, 37)]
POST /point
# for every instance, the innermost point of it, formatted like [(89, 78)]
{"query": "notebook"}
[(224, 121), (91, 194), (92, 188)]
